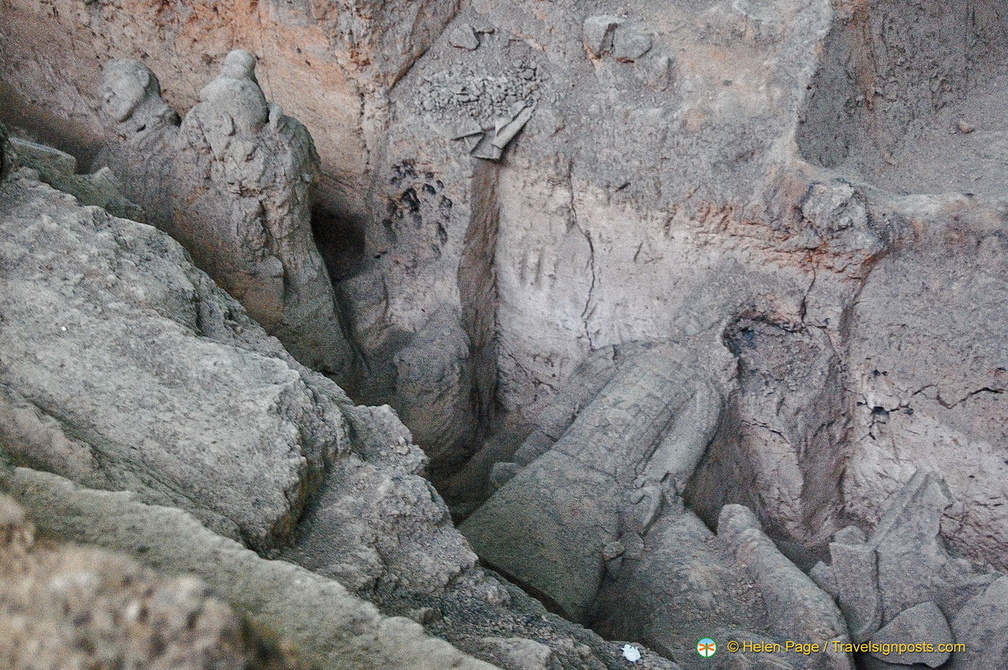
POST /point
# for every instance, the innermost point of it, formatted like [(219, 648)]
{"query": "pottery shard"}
[(922, 623), (598, 34), (629, 44), (855, 568)]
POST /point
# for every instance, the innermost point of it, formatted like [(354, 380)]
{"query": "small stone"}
[(464, 37), (963, 127), (612, 550)]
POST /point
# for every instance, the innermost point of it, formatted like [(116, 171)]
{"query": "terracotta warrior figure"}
[(233, 183)]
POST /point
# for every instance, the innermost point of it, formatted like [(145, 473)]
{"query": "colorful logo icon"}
[(706, 647)]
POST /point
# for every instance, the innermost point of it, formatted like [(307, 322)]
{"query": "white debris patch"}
[(631, 653)]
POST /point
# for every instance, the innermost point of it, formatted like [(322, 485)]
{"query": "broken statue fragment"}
[(903, 586), (597, 526)]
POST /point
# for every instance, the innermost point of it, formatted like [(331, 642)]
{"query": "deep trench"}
[(902, 85)]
